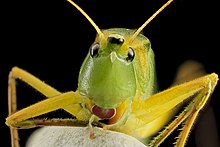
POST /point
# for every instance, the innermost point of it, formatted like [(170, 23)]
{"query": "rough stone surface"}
[(80, 137)]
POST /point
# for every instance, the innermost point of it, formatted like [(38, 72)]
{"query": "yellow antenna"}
[(88, 18), (148, 21)]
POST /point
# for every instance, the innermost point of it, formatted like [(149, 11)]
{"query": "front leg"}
[(40, 86), (20, 118)]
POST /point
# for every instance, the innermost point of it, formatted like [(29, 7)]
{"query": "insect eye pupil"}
[(131, 55), (94, 50)]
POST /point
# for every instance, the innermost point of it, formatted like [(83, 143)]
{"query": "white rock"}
[(80, 137)]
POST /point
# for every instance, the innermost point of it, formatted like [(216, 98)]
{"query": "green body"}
[(108, 79)]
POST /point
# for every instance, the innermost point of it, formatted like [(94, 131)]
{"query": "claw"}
[(92, 134)]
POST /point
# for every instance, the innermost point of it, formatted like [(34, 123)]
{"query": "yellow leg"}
[(147, 114), (42, 107), (199, 94), (188, 116), (48, 91), (12, 108), (204, 136), (42, 87), (168, 99), (32, 123)]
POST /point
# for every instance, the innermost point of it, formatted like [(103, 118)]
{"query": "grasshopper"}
[(117, 83)]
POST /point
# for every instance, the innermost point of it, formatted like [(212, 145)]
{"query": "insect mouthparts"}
[(103, 113)]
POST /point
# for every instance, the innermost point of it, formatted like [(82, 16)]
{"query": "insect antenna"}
[(148, 21), (88, 18)]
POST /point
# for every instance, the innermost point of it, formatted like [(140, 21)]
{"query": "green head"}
[(120, 64), (108, 75)]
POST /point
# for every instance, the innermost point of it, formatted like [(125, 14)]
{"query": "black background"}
[(51, 38)]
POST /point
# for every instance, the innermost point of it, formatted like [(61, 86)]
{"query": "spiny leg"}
[(62, 122), (188, 115), (189, 70), (20, 118), (12, 108), (148, 115), (204, 136), (194, 107), (48, 91), (17, 73), (207, 136), (168, 99)]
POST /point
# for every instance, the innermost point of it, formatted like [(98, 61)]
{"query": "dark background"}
[(51, 38)]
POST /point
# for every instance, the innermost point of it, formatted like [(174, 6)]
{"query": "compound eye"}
[(94, 50), (131, 55)]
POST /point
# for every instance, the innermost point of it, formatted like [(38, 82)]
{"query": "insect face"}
[(107, 75)]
